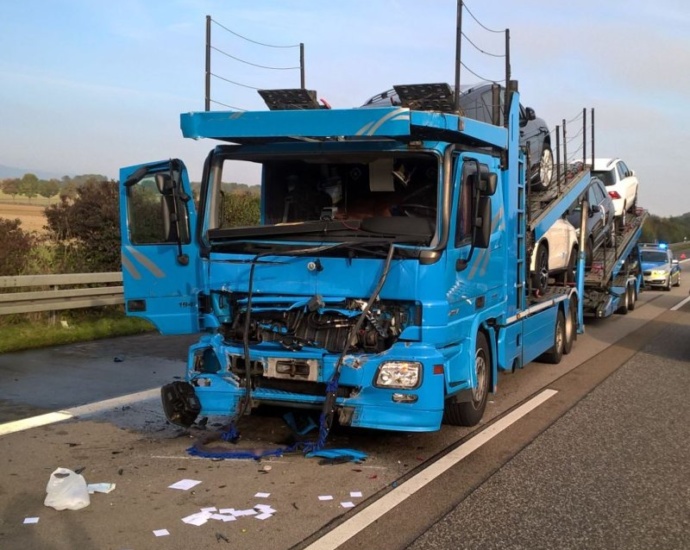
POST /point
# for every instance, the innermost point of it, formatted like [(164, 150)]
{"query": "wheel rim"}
[(481, 371), (546, 167)]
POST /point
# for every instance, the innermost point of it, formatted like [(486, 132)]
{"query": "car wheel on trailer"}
[(667, 286), (469, 413), (570, 327), (555, 354), (540, 277), (545, 172), (677, 281)]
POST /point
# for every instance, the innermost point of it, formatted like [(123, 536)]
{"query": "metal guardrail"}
[(53, 298)]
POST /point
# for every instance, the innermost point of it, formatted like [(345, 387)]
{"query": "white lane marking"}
[(371, 513), (83, 410), (33, 422), (680, 304)]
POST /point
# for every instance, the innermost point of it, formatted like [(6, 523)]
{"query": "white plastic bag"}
[(66, 490)]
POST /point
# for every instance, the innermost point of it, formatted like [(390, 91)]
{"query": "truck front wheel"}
[(469, 413)]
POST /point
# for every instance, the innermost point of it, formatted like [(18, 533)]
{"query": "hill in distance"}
[(14, 172)]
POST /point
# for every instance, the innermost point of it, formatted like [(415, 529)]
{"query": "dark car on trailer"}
[(476, 102)]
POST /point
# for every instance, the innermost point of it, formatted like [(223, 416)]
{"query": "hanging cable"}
[(254, 41), (226, 105), (464, 5), (253, 64), (479, 49), (480, 77), (235, 83)]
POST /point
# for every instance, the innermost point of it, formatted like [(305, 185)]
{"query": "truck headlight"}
[(399, 374)]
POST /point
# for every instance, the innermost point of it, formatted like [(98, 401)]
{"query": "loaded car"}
[(554, 254), (600, 228), (621, 184), (659, 267), (476, 102)]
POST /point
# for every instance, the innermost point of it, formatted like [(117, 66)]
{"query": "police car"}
[(659, 267)]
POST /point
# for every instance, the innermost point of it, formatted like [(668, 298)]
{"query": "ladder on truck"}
[(608, 261)]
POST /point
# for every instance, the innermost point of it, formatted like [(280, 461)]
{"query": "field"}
[(31, 215)]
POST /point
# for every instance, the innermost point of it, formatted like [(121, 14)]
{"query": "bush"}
[(15, 247), (87, 228)]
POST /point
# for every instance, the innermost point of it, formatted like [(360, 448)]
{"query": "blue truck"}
[(387, 282)]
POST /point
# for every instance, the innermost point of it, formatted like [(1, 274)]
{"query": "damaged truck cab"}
[(386, 282)]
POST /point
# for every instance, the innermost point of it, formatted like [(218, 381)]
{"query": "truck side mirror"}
[(487, 184), (482, 233), (529, 112)]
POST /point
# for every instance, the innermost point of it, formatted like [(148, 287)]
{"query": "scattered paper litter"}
[(209, 509), (262, 495), (326, 497), (240, 513), (223, 517), (355, 494), (265, 508), (184, 484), (161, 532), (263, 516), (30, 520), (100, 487), (226, 510), (197, 519)]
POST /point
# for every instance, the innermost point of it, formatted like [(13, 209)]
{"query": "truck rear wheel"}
[(625, 302), (555, 354), (633, 297), (570, 327), (469, 413)]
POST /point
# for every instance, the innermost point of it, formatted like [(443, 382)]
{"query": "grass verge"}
[(24, 334)]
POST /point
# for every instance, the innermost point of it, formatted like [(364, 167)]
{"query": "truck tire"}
[(469, 413), (633, 297), (570, 327), (555, 354), (625, 302)]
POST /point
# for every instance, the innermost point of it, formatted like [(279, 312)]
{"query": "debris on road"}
[(184, 484), (66, 490)]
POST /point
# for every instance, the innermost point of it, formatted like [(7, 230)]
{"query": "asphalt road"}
[(600, 464)]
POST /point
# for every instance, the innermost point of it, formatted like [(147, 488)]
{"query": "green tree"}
[(11, 187), (88, 228), (49, 188), (240, 209), (15, 247), (28, 186)]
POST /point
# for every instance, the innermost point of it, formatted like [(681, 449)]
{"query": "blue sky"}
[(88, 86)]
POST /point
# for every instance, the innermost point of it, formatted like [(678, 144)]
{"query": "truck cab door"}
[(160, 252)]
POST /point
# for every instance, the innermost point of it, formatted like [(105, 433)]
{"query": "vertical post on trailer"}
[(458, 47), (301, 65), (507, 106), (591, 123), (584, 138), (207, 99), (558, 160), (582, 255)]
